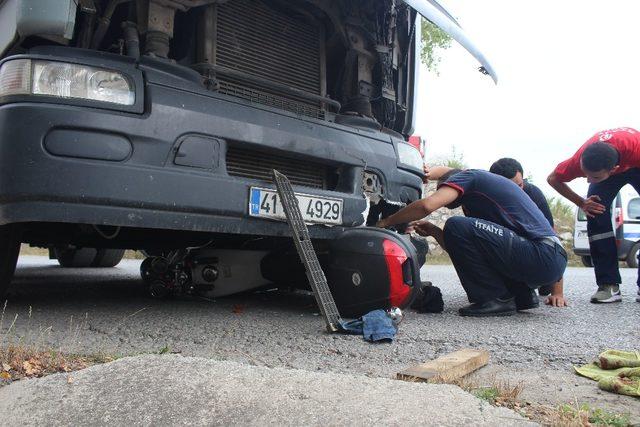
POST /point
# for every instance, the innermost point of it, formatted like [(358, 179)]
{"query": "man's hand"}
[(556, 301), (591, 207), (382, 223), (423, 228), (427, 229)]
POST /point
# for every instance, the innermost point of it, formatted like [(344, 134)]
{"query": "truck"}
[(154, 125)]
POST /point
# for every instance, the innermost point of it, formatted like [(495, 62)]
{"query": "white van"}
[(625, 217)]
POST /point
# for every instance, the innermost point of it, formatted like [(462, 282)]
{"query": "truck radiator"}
[(258, 165), (266, 44)]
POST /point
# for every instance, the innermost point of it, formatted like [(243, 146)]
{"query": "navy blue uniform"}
[(505, 246), (538, 198), (602, 240)]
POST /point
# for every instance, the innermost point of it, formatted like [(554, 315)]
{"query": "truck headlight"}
[(410, 156), (65, 80)]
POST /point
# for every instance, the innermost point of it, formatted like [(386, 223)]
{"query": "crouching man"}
[(502, 250)]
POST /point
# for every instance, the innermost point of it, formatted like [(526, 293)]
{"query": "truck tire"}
[(632, 258), (587, 261), (106, 258), (9, 251), (75, 258), (88, 257)]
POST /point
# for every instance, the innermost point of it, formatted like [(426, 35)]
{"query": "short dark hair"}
[(599, 156), (447, 175), (506, 167)]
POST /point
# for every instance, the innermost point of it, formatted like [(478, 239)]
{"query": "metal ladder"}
[(317, 279)]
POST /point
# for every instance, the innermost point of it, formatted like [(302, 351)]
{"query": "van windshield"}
[(634, 208), (581, 215)]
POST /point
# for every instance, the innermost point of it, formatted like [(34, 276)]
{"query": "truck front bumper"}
[(66, 163)]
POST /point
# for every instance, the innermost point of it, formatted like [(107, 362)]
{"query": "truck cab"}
[(155, 124)]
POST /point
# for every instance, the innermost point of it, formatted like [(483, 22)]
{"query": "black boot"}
[(494, 307), (527, 300), (543, 291)]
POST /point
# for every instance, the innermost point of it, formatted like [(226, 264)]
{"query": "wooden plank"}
[(447, 368)]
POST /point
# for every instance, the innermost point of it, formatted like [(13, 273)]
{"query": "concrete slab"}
[(176, 390)]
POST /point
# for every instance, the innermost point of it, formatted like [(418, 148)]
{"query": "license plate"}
[(266, 203)]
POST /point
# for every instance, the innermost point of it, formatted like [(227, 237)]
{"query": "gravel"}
[(107, 311)]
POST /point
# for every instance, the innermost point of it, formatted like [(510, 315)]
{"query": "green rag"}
[(614, 359), (616, 371)]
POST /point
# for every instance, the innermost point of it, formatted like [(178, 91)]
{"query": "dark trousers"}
[(494, 262), (602, 240)]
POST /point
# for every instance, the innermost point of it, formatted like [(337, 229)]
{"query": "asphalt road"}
[(92, 310)]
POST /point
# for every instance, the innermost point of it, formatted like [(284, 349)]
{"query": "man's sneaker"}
[(607, 293)]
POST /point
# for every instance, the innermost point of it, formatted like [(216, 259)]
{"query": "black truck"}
[(155, 124)]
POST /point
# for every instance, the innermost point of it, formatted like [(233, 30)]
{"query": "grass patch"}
[(442, 258), (130, 254), (573, 260), (584, 415), (576, 415), (35, 251), (32, 250), (438, 259), (27, 356), (18, 362), (488, 394), (503, 394), (497, 392)]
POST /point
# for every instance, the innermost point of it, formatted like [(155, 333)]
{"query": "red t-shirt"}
[(625, 140)]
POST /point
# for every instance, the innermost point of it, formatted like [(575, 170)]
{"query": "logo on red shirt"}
[(606, 135)]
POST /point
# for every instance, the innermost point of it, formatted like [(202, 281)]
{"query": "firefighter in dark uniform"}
[(512, 169), (502, 250)]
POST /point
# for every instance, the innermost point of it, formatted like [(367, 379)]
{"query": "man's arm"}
[(590, 205), (421, 208), (564, 189)]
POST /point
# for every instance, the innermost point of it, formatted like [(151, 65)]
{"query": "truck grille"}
[(257, 165), (264, 43)]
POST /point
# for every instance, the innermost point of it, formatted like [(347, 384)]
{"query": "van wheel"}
[(88, 257), (9, 251), (106, 258), (587, 261), (632, 258), (75, 258)]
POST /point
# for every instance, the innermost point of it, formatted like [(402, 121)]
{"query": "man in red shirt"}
[(609, 160)]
